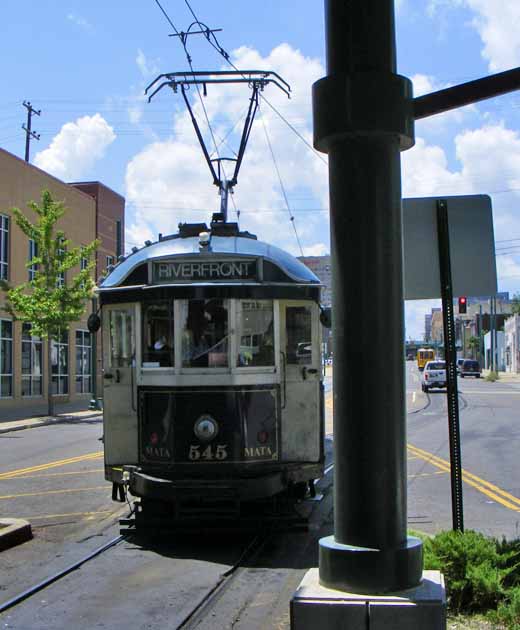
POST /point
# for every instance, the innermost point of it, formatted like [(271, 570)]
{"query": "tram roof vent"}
[(191, 229)]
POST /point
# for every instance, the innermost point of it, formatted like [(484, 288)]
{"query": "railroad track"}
[(31, 591), (251, 549)]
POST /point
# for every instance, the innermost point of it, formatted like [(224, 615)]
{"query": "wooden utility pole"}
[(28, 132)]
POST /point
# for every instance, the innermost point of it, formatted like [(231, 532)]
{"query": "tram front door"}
[(119, 389), (301, 381)]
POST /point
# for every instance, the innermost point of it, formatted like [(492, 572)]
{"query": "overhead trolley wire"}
[(188, 57), (225, 55), (291, 216)]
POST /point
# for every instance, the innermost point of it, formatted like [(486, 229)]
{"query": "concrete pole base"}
[(364, 570), (315, 606)]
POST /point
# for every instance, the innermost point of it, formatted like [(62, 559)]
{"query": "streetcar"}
[(213, 384), (423, 356)]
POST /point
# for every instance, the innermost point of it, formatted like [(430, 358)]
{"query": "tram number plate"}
[(198, 452)]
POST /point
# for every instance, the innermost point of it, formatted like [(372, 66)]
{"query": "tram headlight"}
[(206, 428)]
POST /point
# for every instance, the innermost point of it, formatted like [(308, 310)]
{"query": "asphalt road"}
[(53, 476), (489, 435)]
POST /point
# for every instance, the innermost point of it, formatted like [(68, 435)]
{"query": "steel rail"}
[(194, 617), (17, 599)]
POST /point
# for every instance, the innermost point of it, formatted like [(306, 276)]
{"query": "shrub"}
[(492, 377), (475, 569)]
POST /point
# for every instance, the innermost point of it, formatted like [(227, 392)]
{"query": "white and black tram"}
[(213, 386)]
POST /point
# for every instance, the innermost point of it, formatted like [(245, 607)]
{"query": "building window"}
[(32, 374), (33, 252), (60, 363), (4, 244), (83, 362), (60, 278), (110, 261), (6, 358)]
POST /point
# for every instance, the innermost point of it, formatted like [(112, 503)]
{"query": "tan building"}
[(23, 361)]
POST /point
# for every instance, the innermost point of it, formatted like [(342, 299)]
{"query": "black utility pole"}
[(363, 119), (28, 133), (364, 116)]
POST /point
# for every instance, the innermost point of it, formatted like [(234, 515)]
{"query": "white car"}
[(434, 375)]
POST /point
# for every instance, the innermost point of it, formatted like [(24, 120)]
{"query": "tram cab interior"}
[(213, 386)]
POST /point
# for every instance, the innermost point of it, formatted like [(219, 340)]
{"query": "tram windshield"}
[(158, 331), (256, 333), (204, 325), (214, 333)]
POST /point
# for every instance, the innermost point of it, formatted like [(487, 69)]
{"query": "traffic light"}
[(463, 303)]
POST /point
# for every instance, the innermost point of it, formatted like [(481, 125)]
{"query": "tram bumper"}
[(168, 490)]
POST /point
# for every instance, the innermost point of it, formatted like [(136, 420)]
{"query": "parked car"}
[(434, 375), (459, 364), (470, 368)]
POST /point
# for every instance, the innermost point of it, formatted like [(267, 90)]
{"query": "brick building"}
[(93, 211)]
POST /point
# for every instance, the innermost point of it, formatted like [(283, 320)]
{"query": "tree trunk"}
[(50, 399)]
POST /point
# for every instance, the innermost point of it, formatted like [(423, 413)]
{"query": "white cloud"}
[(77, 146), (168, 178), (497, 23), (79, 21), (148, 68)]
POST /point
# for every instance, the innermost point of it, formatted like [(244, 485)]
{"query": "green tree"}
[(47, 302), (515, 304), (474, 346)]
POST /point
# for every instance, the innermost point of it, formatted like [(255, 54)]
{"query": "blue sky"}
[(85, 65)]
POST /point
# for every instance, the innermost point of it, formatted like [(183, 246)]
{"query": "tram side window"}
[(158, 335), (256, 333), (298, 320), (122, 343), (204, 333)]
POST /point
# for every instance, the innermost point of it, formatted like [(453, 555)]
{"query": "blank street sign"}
[(472, 247)]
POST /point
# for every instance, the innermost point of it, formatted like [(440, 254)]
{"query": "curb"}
[(20, 425), (14, 531)]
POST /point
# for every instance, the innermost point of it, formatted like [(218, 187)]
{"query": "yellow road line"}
[(62, 474), (55, 464), (39, 494), (44, 516), (437, 472), (488, 489)]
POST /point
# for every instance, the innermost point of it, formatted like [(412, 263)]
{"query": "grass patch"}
[(492, 377), (482, 575)]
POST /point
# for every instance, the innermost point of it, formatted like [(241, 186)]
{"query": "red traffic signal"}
[(463, 304)]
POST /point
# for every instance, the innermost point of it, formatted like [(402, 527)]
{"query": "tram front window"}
[(158, 335), (204, 333), (256, 334)]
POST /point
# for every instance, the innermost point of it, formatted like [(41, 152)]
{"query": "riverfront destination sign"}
[(224, 270)]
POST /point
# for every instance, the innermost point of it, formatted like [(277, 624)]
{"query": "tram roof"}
[(177, 246)]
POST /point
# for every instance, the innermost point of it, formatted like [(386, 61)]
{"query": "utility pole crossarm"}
[(466, 93)]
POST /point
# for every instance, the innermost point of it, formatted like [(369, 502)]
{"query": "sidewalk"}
[(24, 419), (504, 377)]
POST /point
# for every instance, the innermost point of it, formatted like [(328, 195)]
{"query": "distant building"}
[(94, 211), (512, 343), (428, 324), (320, 265)]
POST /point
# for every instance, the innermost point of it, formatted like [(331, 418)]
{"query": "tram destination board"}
[(224, 270)]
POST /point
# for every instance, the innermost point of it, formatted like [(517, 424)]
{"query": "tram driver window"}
[(122, 350), (256, 333), (298, 321), (158, 335), (204, 333)]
